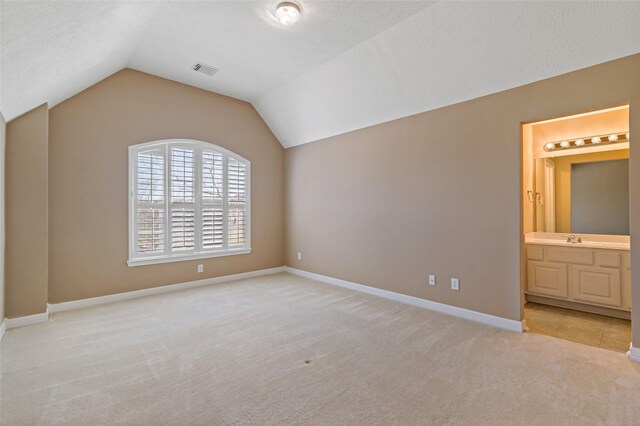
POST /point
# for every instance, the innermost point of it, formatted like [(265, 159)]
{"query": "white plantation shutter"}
[(183, 213), (212, 227), (150, 214), (189, 199), (236, 189), (212, 199)]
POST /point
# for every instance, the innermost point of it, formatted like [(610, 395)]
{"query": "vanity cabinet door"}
[(547, 279), (602, 286)]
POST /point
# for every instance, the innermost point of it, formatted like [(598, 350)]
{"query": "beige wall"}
[(439, 193), (3, 128), (89, 137), (563, 182), (26, 214)]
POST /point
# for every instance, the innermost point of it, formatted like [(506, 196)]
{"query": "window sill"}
[(180, 258)]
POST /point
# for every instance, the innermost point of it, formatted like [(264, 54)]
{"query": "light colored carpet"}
[(286, 350)]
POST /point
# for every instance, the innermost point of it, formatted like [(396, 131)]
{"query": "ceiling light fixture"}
[(587, 142), (288, 13)]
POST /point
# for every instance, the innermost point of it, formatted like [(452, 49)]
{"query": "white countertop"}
[(612, 242)]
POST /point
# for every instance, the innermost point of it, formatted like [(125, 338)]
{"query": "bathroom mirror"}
[(582, 194)]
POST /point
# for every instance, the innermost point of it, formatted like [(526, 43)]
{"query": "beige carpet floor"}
[(286, 350)]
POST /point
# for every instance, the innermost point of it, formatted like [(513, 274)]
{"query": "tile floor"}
[(582, 327)]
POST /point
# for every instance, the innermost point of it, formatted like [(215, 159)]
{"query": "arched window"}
[(188, 200)]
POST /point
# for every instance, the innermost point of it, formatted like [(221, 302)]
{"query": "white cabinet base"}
[(616, 313), (576, 277)]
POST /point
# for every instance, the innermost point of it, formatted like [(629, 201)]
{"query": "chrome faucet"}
[(572, 239)]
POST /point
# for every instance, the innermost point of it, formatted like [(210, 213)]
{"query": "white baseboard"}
[(494, 321), (3, 328), (26, 320), (634, 353), (85, 303)]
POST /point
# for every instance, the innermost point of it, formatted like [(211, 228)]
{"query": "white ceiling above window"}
[(253, 51), (52, 50), (345, 65)]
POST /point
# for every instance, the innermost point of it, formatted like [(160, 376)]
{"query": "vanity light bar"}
[(586, 142)]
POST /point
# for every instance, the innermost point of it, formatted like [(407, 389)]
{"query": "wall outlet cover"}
[(455, 284)]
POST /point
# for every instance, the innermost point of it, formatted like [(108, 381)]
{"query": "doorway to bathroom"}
[(575, 267)]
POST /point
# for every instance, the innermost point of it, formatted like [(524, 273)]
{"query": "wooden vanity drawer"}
[(608, 258), (547, 279), (602, 286), (535, 253), (570, 255)]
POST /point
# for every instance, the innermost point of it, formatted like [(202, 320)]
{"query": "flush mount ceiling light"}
[(288, 13), (587, 142)]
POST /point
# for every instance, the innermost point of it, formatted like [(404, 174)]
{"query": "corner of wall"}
[(26, 215), (3, 131)]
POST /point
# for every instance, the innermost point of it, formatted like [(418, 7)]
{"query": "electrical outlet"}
[(455, 284), (200, 268), (299, 255), (432, 280)]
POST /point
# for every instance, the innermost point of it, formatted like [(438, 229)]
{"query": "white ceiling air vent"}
[(205, 69)]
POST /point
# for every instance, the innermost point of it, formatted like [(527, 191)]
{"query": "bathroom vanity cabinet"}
[(584, 277)]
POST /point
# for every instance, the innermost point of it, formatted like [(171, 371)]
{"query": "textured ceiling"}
[(254, 52), (450, 52), (344, 66), (52, 50)]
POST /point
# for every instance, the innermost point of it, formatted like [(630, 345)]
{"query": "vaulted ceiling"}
[(344, 66)]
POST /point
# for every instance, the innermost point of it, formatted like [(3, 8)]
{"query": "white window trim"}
[(182, 257), (197, 146)]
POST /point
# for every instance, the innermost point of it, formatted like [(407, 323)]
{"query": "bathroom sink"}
[(614, 242)]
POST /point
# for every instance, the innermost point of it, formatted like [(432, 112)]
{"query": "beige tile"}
[(587, 317), (617, 331), (590, 338), (615, 344), (618, 322), (587, 325), (531, 306), (543, 322), (577, 326), (617, 335), (587, 329), (552, 309)]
